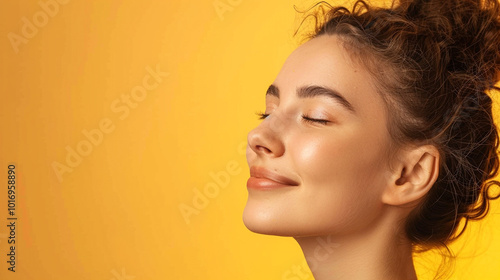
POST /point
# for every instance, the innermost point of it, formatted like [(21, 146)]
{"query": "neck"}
[(378, 253)]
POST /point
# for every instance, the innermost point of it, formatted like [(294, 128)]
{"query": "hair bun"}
[(468, 32)]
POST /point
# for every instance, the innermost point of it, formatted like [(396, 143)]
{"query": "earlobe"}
[(416, 173)]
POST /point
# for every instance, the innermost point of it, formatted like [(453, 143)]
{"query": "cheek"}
[(308, 153), (323, 159), (338, 160), (341, 180)]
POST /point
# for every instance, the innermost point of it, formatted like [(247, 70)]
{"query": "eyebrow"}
[(313, 91)]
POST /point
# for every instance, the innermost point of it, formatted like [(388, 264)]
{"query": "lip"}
[(262, 178)]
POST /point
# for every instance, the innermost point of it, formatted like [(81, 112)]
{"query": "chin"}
[(266, 221), (265, 227)]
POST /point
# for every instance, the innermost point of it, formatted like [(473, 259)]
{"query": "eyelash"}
[(304, 117)]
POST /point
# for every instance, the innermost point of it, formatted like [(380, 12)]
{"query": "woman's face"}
[(319, 161)]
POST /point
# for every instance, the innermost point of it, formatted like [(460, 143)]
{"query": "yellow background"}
[(116, 214)]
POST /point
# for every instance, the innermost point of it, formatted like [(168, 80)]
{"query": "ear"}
[(415, 172)]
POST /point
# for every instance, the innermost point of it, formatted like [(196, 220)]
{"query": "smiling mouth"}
[(262, 178)]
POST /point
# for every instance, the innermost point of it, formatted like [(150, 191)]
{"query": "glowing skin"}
[(341, 168), (340, 165)]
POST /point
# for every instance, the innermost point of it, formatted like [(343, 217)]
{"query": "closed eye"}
[(306, 118), (313, 120)]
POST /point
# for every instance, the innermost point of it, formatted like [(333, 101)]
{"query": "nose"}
[(266, 139)]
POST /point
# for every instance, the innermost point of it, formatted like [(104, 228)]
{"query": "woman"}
[(378, 138)]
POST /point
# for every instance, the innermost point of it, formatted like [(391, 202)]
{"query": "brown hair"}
[(434, 63)]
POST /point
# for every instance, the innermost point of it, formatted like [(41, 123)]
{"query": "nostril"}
[(264, 149)]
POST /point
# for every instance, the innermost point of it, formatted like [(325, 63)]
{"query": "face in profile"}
[(319, 159)]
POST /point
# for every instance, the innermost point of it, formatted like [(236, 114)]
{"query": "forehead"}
[(324, 61)]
